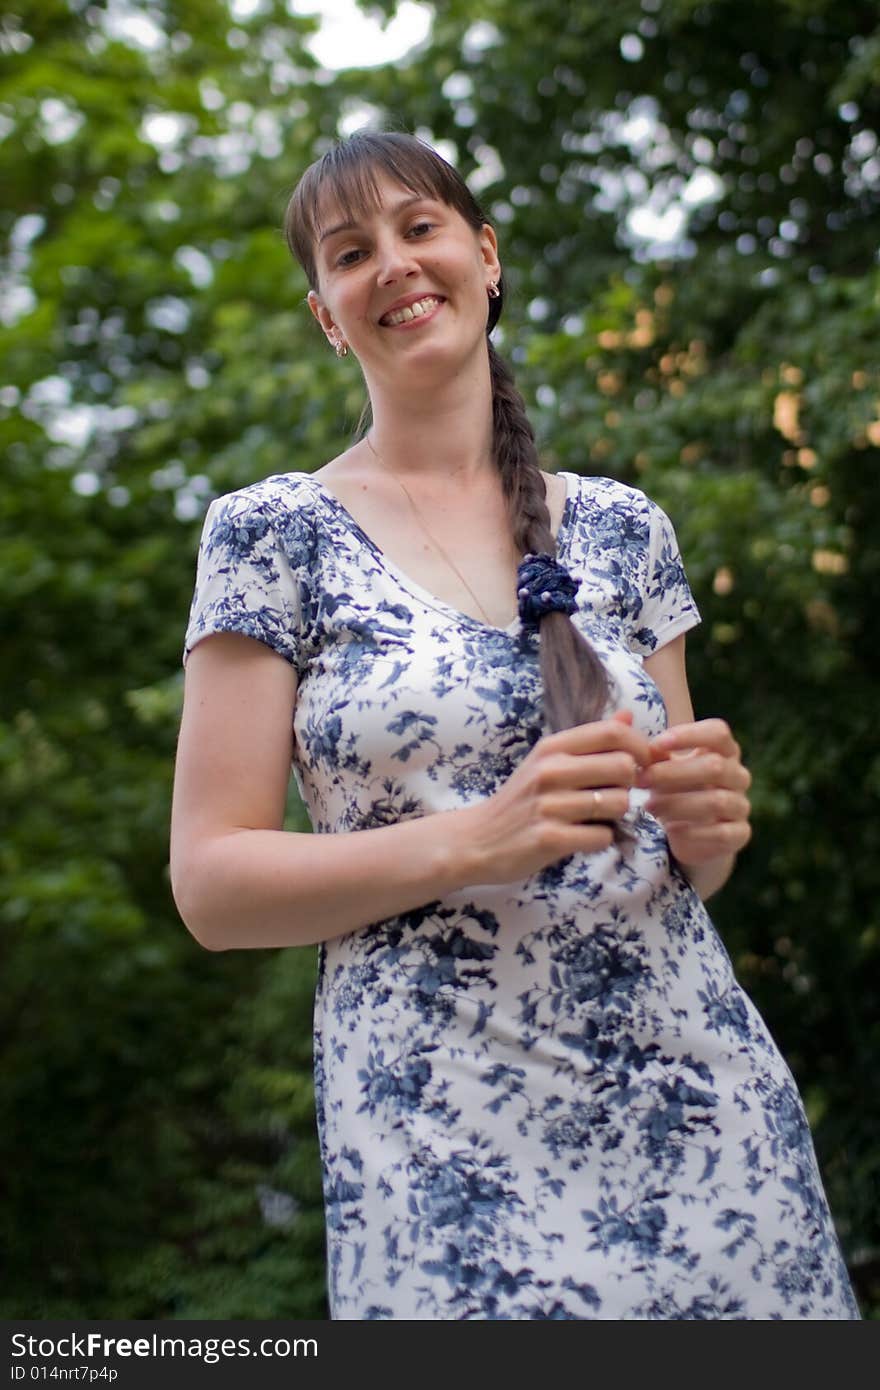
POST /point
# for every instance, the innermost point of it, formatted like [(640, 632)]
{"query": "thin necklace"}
[(432, 538)]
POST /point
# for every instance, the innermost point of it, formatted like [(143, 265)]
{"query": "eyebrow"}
[(395, 208)]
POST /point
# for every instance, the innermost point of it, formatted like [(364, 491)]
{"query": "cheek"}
[(348, 306), (459, 274), (474, 275)]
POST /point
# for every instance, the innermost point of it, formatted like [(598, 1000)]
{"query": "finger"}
[(586, 839), (600, 736), (713, 734), (700, 807), (582, 807), (571, 772), (729, 837), (704, 770), (560, 840)]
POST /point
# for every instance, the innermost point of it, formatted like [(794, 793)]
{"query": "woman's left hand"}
[(698, 787)]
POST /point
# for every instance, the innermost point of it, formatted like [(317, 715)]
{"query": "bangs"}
[(345, 180)]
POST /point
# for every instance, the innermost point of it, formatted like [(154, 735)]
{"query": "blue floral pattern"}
[(550, 1099)]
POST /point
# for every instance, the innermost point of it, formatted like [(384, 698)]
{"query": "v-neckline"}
[(418, 590)]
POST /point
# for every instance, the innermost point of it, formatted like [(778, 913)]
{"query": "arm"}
[(240, 880), (237, 877), (698, 783)]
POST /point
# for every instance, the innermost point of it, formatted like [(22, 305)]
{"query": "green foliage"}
[(160, 1155)]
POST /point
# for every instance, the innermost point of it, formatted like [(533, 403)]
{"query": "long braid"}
[(575, 683)]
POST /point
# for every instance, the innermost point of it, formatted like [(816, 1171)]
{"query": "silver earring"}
[(340, 345), (494, 292)]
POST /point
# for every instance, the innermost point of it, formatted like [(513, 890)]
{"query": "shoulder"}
[(271, 496), (268, 528), (283, 506), (607, 508)]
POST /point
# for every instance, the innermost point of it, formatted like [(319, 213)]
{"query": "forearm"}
[(268, 888), (707, 878)]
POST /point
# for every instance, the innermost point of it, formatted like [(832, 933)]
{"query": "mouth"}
[(407, 313)]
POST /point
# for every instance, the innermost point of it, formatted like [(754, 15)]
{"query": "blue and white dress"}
[(550, 1099)]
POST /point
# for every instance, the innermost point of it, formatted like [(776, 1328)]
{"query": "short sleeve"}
[(244, 580), (668, 608)]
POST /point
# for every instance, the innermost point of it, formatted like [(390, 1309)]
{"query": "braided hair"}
[(574, 680)]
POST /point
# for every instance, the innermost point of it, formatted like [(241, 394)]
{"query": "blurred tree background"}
[(687, 196)]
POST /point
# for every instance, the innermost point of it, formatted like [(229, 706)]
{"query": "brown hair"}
[(575, 683)]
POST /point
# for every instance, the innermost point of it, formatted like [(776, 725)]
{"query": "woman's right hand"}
[(559, 800)]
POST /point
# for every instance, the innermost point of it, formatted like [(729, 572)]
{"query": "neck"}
[(445, 431)]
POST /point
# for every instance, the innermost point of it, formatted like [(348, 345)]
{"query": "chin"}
[(436, 350)]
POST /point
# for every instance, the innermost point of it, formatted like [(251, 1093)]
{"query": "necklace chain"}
[(432, 538)]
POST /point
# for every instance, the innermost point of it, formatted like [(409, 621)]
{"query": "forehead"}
[(360, 194)]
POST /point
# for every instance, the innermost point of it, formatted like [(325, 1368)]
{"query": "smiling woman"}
[(541, 1092)]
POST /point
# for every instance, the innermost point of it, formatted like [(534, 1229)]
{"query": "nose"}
[(395, 259)]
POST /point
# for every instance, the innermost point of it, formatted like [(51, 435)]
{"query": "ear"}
[(489, 252), (325, 318)]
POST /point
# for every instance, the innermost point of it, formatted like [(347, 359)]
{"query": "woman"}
[(541, 1092)]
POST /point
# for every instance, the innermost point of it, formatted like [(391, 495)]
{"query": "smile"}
[(418, 310)]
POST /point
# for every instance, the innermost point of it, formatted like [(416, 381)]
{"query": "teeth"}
[(410, 311)]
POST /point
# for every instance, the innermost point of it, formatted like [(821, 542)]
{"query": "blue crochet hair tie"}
[(544, 586)]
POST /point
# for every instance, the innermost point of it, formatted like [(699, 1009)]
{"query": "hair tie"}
[(544, 586)]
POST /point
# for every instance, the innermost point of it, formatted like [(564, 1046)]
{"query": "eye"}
[(421, 228), (347, 258)]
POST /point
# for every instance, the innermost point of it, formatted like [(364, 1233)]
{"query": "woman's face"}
[(406, 285)]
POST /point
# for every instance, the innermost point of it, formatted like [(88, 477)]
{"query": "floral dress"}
[(551, 1098)]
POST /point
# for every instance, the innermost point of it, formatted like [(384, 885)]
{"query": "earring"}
[(494, 292), (340, 345)]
